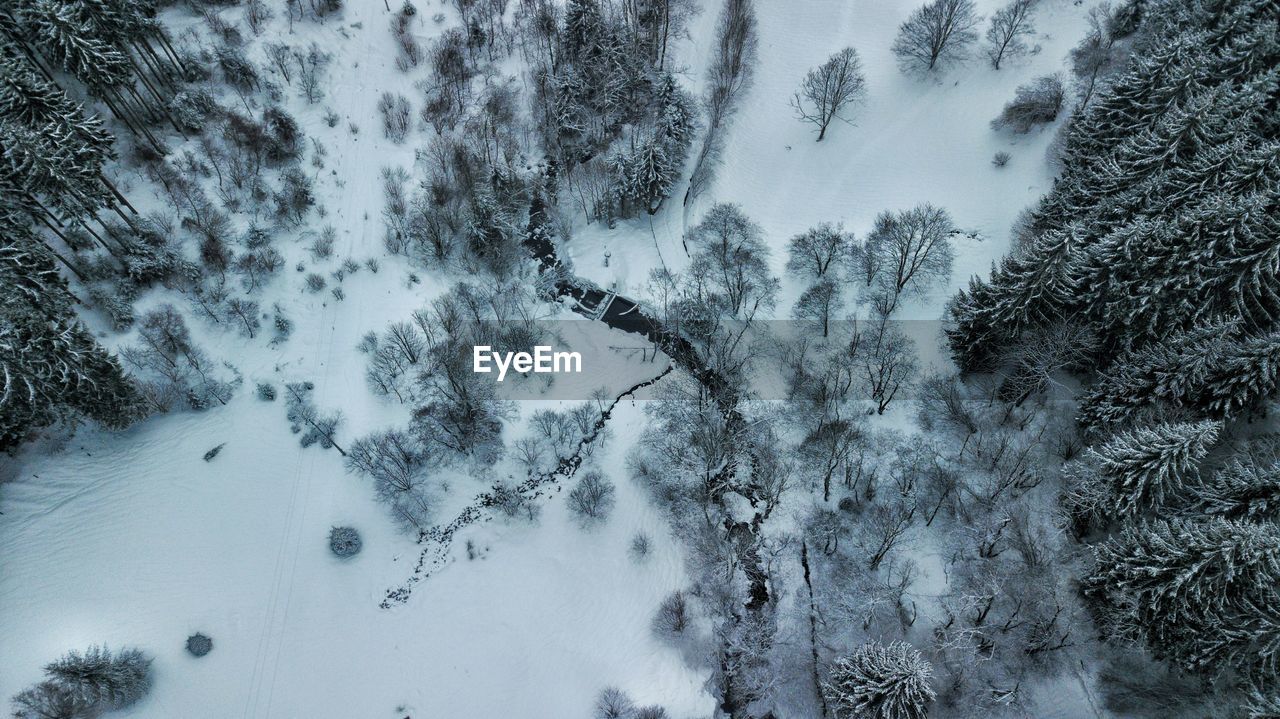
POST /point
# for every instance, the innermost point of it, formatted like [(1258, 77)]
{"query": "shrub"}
[(673, 615), (192, 108), (653, 712), (315, 282), (199, 644), (345, 541), (1001, 159), (1032, 104), (593, 498), (396, 115), (614, 704), (266, 392), (322, 246), (640, 546)]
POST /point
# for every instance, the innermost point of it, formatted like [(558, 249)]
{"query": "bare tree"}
[(885, 358), (256, 14), (732, 263), (1095, 52), (396, 463), (1009, 26), (907, 250), (935, 34), (885, 525), (279, 53), (829, 89), (729, 76), (592, 499), (818, 303), (396, 116), (246, 312), (820, 249)]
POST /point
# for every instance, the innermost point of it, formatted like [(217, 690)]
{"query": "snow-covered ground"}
[(913, 140), (134, 539)]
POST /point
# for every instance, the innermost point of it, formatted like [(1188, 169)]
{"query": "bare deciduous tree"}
[(818, 303), (829, 89), (1009, 26), (820, 249), (886, 359), (936, 33), (907, 250), (1095, 52), (729, 75), (396, 463)]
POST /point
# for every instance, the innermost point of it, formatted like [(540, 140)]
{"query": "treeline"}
[(52, 180), (1153, 268)]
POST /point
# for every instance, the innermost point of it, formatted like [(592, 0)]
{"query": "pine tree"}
[(1167, 373), (880, 681), (51, 368), (103, 679), (1202, 593), (1245, 488), (1248, 374), (1142, 469)]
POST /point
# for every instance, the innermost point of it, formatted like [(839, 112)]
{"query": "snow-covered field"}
[(134, 539)]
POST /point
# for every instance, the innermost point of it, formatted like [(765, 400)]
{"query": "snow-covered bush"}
[(396, 116), (199, 645), (1035, 103), (192, 107), (592, 498), (614, 703), (640, 546), (672, 617), (880, 681), (1000, 159), (305, 418), (316, 282), (345, 541), (266, 392), (512, 503)]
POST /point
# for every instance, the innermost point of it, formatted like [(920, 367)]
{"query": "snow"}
[(914, 140), (133, 539)]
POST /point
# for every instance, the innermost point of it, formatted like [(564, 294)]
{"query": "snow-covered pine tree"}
[(51, 368), (1169, 185), (48, 167), (1142, 469), (1200, 592), (1248, 374), (879, 681), (1036, 285), (1246, 488), (102, 678), (1167, 373)]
